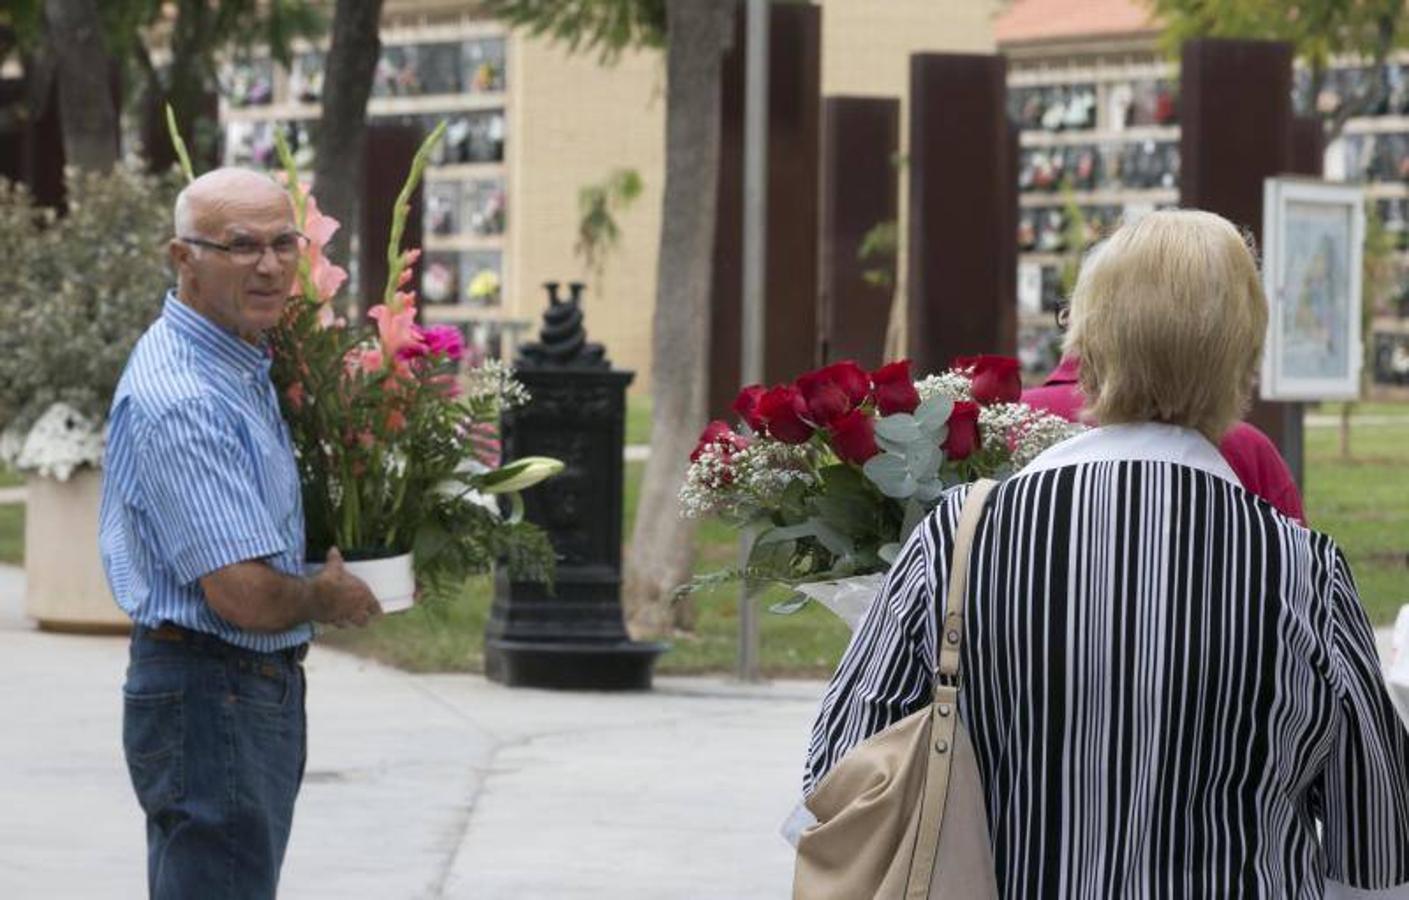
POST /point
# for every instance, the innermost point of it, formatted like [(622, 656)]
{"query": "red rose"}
[(783, 410), (996, 379), (852, 378), (716, 432), (834, 390), (895, 391), (854, 437), (746, 406), (963, 431)]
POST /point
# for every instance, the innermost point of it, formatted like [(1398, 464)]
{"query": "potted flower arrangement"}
[(397, 448), (76, 293), (397, 452), (836, 469)]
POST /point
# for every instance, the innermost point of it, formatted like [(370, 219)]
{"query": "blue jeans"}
[(216, 739)]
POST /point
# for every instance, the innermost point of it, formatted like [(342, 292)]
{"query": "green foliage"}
[(198, 35), (607, 27), (1075, 239), (598, 206), (880, 245), (77, 292), (20, 23), (1318, 30)]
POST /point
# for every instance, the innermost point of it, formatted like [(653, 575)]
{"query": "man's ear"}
[(176, 254)]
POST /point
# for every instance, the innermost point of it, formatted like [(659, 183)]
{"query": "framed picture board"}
[(1312, 245)]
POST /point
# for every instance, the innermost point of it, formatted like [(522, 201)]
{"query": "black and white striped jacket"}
[(1172, 690)]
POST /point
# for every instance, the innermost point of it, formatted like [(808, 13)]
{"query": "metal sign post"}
[(755, 254)]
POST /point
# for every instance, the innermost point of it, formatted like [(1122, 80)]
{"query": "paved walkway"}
[(440, 786)]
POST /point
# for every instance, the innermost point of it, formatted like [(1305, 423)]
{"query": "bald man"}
[(202, 538)]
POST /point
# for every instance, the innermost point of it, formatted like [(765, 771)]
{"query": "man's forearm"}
[(256, 597)]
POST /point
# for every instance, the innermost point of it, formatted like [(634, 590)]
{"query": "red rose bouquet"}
[(838, 467)]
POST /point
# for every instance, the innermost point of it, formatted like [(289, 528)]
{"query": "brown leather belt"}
[(168, 632)]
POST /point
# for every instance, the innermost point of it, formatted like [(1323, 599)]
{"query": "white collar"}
[(1144, 441)]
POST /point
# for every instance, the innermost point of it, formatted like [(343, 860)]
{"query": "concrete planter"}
[(65, 588)]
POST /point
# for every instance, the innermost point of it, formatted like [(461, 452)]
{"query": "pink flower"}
[(327, 278), (395, 421), (484, 443), (448, 385), (365, 439), (397, 330), (363, 359), (295, 394), (318, 227), (444, 340)]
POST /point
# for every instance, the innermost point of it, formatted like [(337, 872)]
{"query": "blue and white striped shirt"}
[(199, 474)]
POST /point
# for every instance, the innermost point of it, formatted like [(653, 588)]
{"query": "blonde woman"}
[(1172, 688)]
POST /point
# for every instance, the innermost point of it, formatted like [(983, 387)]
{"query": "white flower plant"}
[(76, 293)]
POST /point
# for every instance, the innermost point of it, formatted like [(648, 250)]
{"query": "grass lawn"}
[(1363, 504), (807, 643), (638, 420), (12, 533)]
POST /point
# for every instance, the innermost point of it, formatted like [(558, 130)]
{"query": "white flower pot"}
[(392, 580), (65, 586)]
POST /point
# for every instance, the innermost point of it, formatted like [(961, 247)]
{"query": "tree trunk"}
[(342, 130), (663, 544), (85, 92), (191, 88)]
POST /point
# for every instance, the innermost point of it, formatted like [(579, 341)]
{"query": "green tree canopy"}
[(1320, 32)]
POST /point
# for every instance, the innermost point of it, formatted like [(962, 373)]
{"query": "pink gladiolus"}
[(372, 360), (327, 278), (448, 385), (397, 330), (395, 421), (410, 257), (404, 278), (318, 227), (484, 443)]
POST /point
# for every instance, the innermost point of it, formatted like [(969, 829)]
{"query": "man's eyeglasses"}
[(248, 252)]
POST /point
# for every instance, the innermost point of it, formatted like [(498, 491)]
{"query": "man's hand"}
[(341, 598), (254, 596)]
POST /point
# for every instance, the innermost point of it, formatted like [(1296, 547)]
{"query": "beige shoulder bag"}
[(901, 816)]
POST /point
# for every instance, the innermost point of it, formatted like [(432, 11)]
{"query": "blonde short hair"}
[(1168, 320)]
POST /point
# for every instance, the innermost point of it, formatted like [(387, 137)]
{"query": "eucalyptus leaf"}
[(929, 491), (901, 428), (891, 474), (791, 605), (933, 414), (886, 444), (923, 461), (826, 535), (914, 512)]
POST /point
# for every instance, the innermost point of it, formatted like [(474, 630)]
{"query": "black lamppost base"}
[(572, 665)]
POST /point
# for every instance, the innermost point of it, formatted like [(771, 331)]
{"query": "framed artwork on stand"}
[(1312, 248)]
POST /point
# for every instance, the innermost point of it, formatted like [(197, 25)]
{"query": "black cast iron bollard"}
[(574, 637)]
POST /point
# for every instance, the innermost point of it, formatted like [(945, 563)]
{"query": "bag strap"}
[(944, 710)]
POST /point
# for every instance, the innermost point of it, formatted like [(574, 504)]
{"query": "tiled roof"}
[(1042, 20)]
